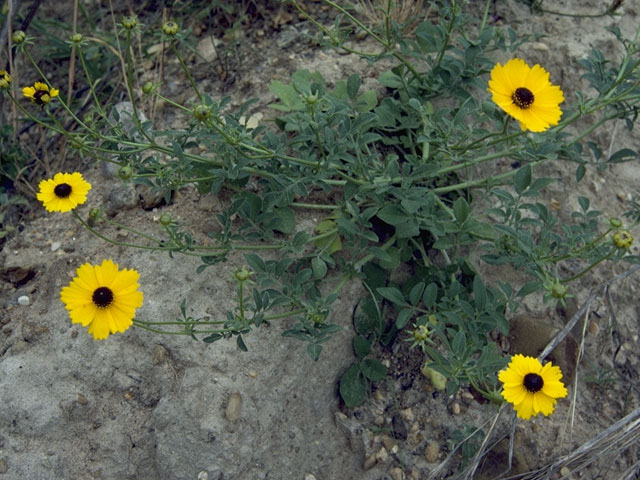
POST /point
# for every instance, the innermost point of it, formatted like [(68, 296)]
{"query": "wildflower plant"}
[(410, 177)]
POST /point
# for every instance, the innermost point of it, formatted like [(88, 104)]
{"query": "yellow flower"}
[(531, 387), (40, 93), (5, 79), (526, 94), (103, 298), (64, 192)]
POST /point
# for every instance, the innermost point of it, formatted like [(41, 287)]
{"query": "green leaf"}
[(459, 344), (367, 101), (285, 220), (392, 294), (241, 344), (314, 350), (290, 99), (479, 293), (624, 155), (361, 346), (373, 369), (353, 85), (522, 179), (416, 293), (319, 267), (403, 318), (430, 295), (461, 210), (390, 79), (393, 215), (255, 262), (352, 387)]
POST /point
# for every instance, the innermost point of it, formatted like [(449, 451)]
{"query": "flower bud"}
[(170, 28), (94, 213), (242, 275), (421, 333), (129, 23), (311, 99), (202, 113), (147, 88), (559, 291), (623, 239), (165, 219), (125, 172), (615, 223), (5, 79), (18, 37), (77, 38)]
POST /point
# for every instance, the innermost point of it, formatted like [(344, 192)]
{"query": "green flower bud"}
[(147, 88), (421, 333), (242, 275), (559, 291), (165, 219), (623, 239), (5, 79), (311, 99), (129, 23), (18, 37), (615, 223), (77, 38), (202, 113), (125, 172), (94, 213), (170, 28)]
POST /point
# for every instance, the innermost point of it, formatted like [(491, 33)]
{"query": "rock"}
[(55, 246), (396, 473), (455, 408), (23, 300), (234, 404), (4, 466), (206, 48), (432, 451)]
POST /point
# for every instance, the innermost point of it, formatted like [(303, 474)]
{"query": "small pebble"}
[(203, 475), (432, 451), (159, 355), (55, 246), (309, 476), (233, 407), (23, 300), (4, 466), (565, 472), (396, 473), (369, 462), (382, 455), (455, 408), (407, 414), (82, 400)]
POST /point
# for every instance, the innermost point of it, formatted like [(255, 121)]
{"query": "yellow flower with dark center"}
[(103, 298), (5, 79), (526, 94), (64, 192), (531, 387), (40, 93)]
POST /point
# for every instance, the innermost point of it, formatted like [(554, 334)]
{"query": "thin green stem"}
[(186, 71)]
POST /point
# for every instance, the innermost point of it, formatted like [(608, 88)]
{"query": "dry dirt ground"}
[(144, 406)]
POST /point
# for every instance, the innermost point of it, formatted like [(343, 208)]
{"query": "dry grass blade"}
[(406, 12)]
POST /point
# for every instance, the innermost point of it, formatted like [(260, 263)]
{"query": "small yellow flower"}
[(103, 298), (64, 192), (526, 94), (5, 79), (531, 387), (40, 93), (623, 239)]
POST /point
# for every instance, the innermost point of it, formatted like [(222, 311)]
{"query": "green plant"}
[(400, 177)]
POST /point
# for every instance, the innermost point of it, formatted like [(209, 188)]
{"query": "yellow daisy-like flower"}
[(526, 94), (531, 387), (40, 93), (103, 298), (5, 79), (64, 192)]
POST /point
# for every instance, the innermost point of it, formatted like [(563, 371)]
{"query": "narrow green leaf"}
[(392, 294)]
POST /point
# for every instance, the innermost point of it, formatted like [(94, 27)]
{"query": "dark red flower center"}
[(102, 297), (62, 190), (522, 97), (41, 97), (533, 382)]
